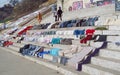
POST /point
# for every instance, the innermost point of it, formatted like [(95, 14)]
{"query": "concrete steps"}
[(113, 46), (18, 44), (65, 70), (98, 70), (112, 64), (113, 38), (108, 53), (114, 27), (14, 48), (76, 42)]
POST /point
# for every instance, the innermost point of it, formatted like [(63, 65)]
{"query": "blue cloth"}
[(55, 40), (40, 54), (54, 51), (73, 21), (64, 24), (70, 25), (30, 49), (79, 32)]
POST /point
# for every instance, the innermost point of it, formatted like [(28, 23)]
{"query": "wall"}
[(71, 5)]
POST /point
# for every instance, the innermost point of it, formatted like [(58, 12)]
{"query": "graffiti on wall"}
[(77, 5), (87, 5), (105, 2)]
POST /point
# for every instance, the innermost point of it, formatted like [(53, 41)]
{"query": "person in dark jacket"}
[(59, 13)]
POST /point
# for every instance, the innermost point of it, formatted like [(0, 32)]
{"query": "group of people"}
[(58, 14)]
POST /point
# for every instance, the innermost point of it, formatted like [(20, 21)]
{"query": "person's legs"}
[(55, 18), (58, 18), (61, 18)]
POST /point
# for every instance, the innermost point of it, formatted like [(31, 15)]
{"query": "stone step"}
[(18, 44), (14, 48), (61, 46), (95, 44), (98, 32), (113, 46), (76, 42), (110, 63), (107, 32), (111, 32), (110, 53), (113, 38), (98, 70), (114, 27)]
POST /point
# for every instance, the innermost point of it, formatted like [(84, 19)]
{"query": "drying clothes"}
[(66, 41), (55, 41), (46, 26), (47, 40), (84, 40), (79, 32), (30, 49), (100, 38), (67, 23), (41, 54), (94, 52), (56, 24), (63, 60), (80, 57), (54, 51), (70, 25), (90, 31), (7, 43), (25, 30), (24, 47)]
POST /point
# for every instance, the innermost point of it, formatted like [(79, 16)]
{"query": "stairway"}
[(106, 63), (108, 60)]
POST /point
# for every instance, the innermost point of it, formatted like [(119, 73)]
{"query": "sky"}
[(2, 2)]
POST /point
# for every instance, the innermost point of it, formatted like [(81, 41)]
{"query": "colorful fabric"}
[(55, 40), (54, 51)]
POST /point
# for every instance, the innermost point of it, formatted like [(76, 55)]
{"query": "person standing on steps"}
[(55, 15), (59, 13), (54, 11), (39, 17)]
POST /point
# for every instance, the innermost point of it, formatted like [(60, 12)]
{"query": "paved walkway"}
[(15, 65)]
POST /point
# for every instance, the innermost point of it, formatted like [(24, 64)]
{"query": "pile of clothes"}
[(41, 26), (31, 50)]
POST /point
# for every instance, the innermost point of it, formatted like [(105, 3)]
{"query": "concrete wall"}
[(75, 4)]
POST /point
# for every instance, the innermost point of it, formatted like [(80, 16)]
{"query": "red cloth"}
[(7, 43), (90, 31), (25, 30), (84, 40)]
